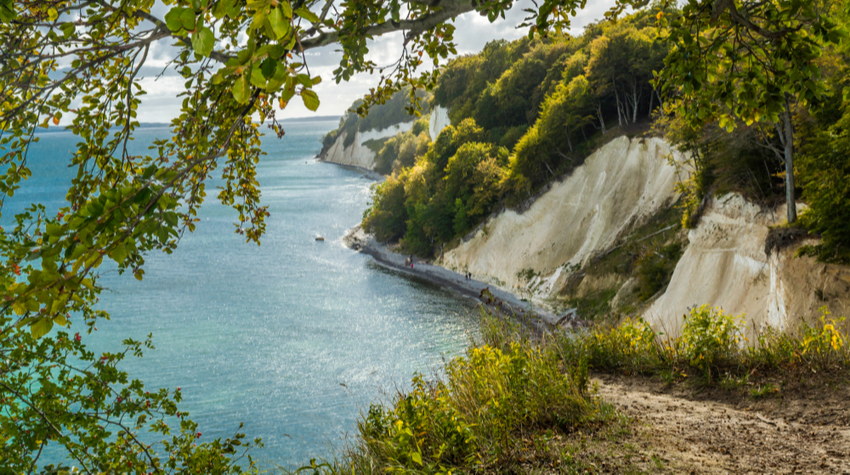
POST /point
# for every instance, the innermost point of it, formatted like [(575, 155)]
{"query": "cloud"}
[(472, 32)]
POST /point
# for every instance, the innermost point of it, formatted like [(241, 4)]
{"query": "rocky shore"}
[(507, 303)]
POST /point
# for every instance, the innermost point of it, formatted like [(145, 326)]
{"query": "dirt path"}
[(703, 433)]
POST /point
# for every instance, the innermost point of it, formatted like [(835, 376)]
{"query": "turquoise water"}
[(293, 337)]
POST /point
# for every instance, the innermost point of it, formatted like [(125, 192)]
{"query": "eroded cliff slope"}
[(556, 245), (725, 264), (621, 184)]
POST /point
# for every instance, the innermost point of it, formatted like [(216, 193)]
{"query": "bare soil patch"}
[(802, 428)]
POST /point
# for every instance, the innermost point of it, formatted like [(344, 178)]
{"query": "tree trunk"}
[(619, 111), (789, 163), (636, 93), (569, 142), (651, 97), (601, 119)]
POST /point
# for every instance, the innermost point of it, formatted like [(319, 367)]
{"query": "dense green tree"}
[(386, 217), (750, 61)]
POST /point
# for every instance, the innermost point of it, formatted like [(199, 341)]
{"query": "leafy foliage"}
[(79, 62), (825, 177), (402, 150), (655, 267), (749, 62), (475, 417), (710, 344), (532, 95), (70, 396)]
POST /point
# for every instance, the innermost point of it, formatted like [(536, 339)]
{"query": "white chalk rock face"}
[(439, 121), (622, 183), (357, 154), (725, 266)]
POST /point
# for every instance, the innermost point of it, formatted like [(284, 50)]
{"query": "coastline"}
[(370, 174), (539, 319)]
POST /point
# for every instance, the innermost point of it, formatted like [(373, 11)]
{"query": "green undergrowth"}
[(518, 403), (595, 304), (712, 349), (508, 405), (649, 254)]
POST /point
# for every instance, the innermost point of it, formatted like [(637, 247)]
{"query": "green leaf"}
[(286, 8), (119, 254), (279, 77), (68, 29), (416, 457), (172, 19), (139, 274), (279, 24), (203, 41), (187, 19), (241, 90), (7, 11), (52, 14), (41, 327), (307, 15), (311, 100), (304, 79), (257, 78), (221, 8), (268, 67)]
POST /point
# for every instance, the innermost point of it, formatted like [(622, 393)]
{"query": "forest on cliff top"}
[(526, 112)]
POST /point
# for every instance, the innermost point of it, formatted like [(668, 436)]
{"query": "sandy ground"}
[(799, 430)]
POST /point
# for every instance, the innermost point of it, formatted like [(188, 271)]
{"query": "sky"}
[(471, 34)]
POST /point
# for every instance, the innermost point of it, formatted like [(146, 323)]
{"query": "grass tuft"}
[(711, 347)]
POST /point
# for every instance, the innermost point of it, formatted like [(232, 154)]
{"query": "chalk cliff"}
[(357, 154), (725, 265), (624, 182)]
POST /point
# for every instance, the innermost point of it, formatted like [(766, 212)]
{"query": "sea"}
[(294, 338)]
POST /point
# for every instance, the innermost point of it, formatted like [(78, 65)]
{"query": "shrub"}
[(711, 343), (477, 415), (655, 267), (420, 126), (825, 343), (825, 177), (710, 338), (328, 140), (632, 346), (512, 136), (422, 431)]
